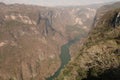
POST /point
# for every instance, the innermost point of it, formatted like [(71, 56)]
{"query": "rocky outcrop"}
[(44, 24), (117, 21)]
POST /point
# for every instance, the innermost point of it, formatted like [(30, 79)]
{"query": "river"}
[(64, 56)]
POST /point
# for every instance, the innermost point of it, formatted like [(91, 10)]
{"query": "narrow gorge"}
[(79, 42)]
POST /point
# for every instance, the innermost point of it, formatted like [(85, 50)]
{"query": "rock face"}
[(117, 20), (46, 21), (98, 58), (31, 38)]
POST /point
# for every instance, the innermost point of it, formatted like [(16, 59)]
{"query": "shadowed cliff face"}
[(109, 74), (117, 20), (46, 21), (98, 58), (31, 38)]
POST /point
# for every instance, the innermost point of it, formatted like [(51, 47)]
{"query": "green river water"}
[(64, 56)]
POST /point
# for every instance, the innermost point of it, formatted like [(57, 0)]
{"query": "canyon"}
[(60, 43), (99, 56), (32, 38)]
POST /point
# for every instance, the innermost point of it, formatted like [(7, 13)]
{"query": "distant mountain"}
[(99, 57)]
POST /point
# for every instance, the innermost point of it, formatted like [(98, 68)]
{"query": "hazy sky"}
[(57, 2)]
